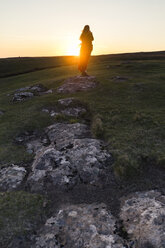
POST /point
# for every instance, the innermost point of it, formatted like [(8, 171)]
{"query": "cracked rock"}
[(29, 92), (71, 158), (78, 83), (11, 177), (83, 161), (63, 134), (81, 226), (143, 217)]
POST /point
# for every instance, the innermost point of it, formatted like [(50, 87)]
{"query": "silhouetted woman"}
[(86, 49)]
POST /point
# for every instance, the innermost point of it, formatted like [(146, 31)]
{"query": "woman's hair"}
[(86, 28)]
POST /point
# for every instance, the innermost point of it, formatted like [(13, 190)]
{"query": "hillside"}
[(118, 122)]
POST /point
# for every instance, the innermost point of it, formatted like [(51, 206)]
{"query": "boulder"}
[(75, 84), (72, 158), (80, 226), (83, 161), (143, 216), (11, 177)]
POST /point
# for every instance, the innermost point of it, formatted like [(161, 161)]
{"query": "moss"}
[(19, 214), (97, 127)]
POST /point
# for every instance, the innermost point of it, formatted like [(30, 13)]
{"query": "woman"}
[(86, 49)]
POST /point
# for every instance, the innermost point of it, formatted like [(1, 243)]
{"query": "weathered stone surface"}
[(62, 135), (11, 177), (77, 111), (78, 83), (33, 141), (21, 96), (67, 106), (29, 92), (66, 101), (83, 161), (70, 159), (81, 226), (143, 217)]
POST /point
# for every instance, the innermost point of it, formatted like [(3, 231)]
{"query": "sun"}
[(73, 49), (72, 46)]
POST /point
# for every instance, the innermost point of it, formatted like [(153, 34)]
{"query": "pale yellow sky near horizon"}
[(53, 27)]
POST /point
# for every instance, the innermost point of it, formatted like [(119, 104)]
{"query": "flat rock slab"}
[(143, 217), (29, 92), (120, 79), (67, 106), (11, 177), (71, 159), (62, 135), (81, 226), (74, 111), (75, 84)]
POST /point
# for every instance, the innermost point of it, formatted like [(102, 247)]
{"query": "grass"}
[(128, 114), (19, 214)]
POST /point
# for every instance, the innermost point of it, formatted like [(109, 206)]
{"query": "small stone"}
[(120, 79), (66, 101), (11, 177)]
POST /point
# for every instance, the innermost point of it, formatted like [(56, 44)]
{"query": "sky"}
[(53, 27)]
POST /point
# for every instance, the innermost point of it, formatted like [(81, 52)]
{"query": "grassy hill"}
[(130, 110), (126, 110)]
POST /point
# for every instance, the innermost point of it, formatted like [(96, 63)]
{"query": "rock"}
[(33, 141), (143, 217), (120, 79), (23, 89), (11, 177), (18, 97), (38, 88), (30, 91), (69, 160), (77, 111), (66, 101), (62, 135), (78, 83), (80, 226)]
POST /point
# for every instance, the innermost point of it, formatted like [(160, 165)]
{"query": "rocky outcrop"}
[(11, 177), (79, 226), (71, 159), (75, 84), (143, 216), (29, 92)]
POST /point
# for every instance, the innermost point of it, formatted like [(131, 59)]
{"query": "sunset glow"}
[(53, 28)]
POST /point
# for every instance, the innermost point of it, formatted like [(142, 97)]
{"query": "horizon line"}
[(95, 55)]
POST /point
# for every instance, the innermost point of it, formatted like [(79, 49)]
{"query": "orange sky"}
[(53, 27)]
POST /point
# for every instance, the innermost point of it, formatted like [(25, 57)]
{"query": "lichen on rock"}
[(78, 83), (76, 226), (143, 216)]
